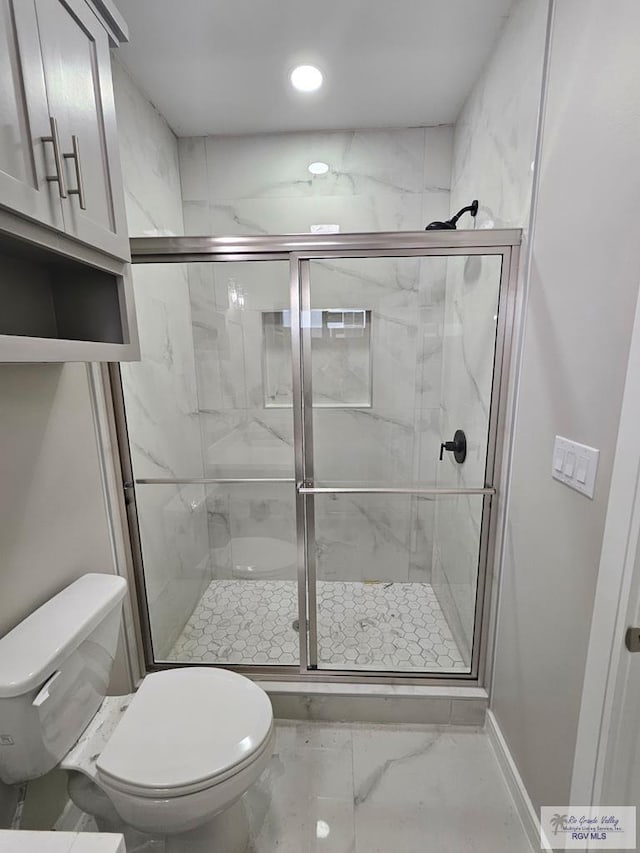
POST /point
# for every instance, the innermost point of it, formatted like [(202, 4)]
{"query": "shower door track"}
[(299, 250)]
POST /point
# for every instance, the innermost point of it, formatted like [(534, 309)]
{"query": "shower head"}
[(450, 224)]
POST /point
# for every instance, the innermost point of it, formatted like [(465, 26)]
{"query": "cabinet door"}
[(77, 68), (25, 159)]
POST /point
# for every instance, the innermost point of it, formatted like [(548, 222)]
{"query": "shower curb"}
[(376, 703)]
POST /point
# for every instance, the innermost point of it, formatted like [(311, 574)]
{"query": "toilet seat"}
[(184, 731)]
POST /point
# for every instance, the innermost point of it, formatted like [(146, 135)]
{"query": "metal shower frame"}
[(299, 251)]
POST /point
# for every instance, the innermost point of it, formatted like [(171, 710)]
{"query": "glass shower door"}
[(398, 355), (210, 427), (297, 489)]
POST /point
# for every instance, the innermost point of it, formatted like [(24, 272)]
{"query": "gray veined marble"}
[(375, 779), (377, 789), (431, 790), (273, 166)]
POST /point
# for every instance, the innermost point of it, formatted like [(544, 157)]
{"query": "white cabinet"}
[(59, 158), (65, 283), (77, 72), (24, 119)]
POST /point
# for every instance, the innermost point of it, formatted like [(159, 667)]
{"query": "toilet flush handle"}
[(43, 693)]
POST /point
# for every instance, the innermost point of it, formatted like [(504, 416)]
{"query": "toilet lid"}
[(184, 728)]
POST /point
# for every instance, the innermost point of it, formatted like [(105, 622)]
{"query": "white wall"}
[(160, 390), (53, 523), (493, 149), (582, 294), (53, 526)]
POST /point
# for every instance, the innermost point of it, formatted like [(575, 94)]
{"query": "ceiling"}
[(221, 66)]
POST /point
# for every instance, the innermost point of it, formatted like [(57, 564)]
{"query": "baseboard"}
[(524, 806)]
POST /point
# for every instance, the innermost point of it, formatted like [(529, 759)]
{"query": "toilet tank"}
[(54, 672)]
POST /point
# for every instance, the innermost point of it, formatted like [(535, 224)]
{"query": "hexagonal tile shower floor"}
[(371, 626)]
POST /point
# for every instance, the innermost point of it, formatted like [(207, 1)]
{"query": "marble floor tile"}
[(378, 789), (413, 789), (368, 626), (304, 799), (332, 826), (431, 791), (316, 771)]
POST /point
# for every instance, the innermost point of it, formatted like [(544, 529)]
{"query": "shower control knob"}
[(458, 447)]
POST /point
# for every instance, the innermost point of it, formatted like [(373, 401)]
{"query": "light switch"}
[(558, 459), (575, 465), (582, 469), (569, 463)]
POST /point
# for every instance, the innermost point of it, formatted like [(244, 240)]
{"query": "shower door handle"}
[(303, 489)]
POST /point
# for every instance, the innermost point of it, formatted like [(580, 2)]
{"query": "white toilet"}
[(168, 759)]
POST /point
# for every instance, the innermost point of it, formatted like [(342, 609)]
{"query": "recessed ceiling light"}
[(318, 168), (306, 78)]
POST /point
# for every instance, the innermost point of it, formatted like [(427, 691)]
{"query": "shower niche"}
[(341, 369)]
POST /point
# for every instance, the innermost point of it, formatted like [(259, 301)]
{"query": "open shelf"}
[(55, 307)]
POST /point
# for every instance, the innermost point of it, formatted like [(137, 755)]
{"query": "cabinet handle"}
[(58, 178), (75, 156)]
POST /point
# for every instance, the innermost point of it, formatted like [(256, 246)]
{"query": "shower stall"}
[(335, 434)]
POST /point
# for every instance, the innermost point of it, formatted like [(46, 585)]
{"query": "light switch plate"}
[(575, 465)]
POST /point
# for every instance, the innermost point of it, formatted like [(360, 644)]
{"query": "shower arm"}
[(470, 208), (451, 224)]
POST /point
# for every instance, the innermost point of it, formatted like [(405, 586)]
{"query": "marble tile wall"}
[(160, 390), (377, 180), (493, 151)]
